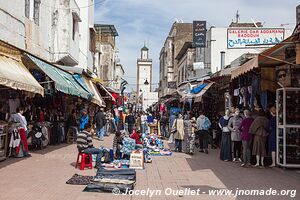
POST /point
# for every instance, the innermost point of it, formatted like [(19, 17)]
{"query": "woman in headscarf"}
[(178, 125), (259, 128), (189, 130)]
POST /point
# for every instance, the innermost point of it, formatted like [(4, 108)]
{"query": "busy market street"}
[(46, 173), (139, 99)]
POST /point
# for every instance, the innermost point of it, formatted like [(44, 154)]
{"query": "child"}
[(117, 144)]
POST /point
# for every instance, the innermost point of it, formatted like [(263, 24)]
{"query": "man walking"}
[(163, 125), (130, 121), (203, 125), (100, 124), (85, 144)]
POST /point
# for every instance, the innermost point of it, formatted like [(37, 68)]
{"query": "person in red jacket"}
[(136, 135)]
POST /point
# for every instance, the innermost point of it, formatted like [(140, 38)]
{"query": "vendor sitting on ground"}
[(117, 144), (136, 135), (85, 144)]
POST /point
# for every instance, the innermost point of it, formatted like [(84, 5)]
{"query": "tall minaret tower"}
[(144, 74)]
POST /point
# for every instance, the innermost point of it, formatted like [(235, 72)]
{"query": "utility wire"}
[(93, 4)]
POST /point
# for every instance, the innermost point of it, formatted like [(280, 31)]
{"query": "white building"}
[(87, 35), (219, 40), (106, 56), (48, 29), (144, 81)]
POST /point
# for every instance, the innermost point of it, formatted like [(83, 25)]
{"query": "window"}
[(92, 40), (27, 8), (36, 11), (75, 25)]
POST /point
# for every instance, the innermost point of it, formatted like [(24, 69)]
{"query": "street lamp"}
[(146, 82)]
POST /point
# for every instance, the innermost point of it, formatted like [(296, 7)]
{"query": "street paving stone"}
[(43, 176)]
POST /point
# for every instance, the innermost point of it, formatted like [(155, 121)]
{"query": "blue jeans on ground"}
[(101, 132), (96, 151)]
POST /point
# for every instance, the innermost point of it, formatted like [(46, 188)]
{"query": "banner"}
[(199, 34), (253, 37)]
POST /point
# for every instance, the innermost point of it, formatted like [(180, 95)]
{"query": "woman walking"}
[(178, 125)]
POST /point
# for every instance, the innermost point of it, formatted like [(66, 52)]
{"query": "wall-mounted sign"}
[(198, 65), (199, 34), (172, 85), (253, 37)]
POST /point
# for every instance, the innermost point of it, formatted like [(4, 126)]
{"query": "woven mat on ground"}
[(79, 180)]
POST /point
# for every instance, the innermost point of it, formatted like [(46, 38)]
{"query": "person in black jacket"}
[(130, 120), (163, 126), (100, 121)]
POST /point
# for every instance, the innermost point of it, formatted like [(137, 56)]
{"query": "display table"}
[(154, 128)]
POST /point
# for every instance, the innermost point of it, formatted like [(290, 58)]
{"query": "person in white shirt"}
[(144, 123), (19, 118)]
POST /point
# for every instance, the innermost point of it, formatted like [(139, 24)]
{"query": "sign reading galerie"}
[(253, 37)]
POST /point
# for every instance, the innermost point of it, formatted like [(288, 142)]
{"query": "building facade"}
[(178, 35), (55, 30), (106, 56), (217, 41)]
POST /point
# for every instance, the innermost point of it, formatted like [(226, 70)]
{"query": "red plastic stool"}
[(83, 161)]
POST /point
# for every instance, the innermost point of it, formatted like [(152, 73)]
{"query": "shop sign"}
[(172, 85), (253, 37), (136, 160), (199, 34)]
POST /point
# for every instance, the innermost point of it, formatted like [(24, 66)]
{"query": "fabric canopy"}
[(64, 81), (15, 75), (246, 67), (112, 97), (198, 89), (198, 97), (81, 82), (97, 99)]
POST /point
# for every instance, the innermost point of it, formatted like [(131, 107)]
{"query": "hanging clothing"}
[(13, 105)]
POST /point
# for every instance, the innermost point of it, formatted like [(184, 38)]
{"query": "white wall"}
[(217, 42), (87, 17), (19, 31), (149, 99)]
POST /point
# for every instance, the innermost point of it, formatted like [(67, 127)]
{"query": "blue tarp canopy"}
[(198, 89)]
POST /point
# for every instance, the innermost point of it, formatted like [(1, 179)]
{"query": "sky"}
[(139, 21)]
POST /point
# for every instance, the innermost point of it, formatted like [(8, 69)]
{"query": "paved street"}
[(43, 176)]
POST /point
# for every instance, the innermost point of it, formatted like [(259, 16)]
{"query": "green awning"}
[(64, 82)]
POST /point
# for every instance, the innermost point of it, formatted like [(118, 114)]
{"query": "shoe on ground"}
[(271, 166), (243, 165), (240, 160), (101, 139), (234, 160), (226, 160)]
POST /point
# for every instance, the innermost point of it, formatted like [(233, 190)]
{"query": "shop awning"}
[(64, 82), (15, 75), (246, 67), (97, 99), (198, 97), (81, 82), (113, 98)]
